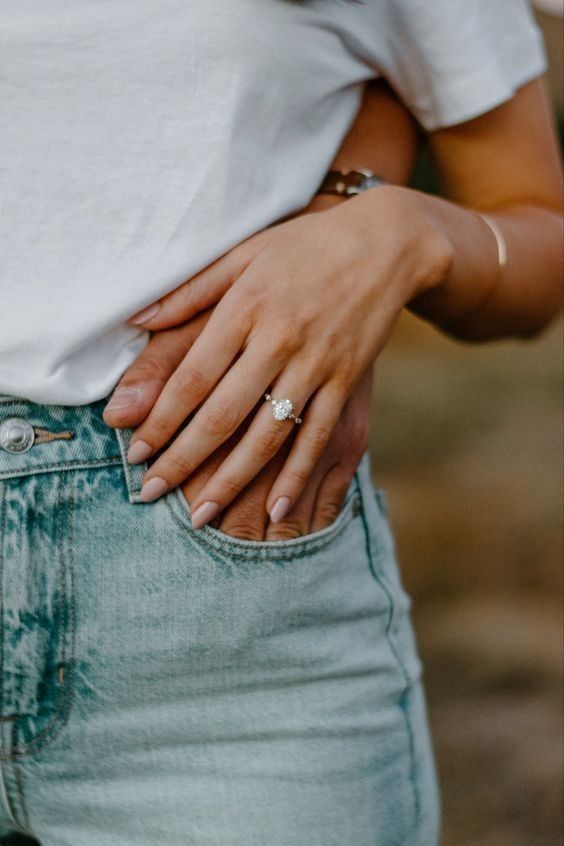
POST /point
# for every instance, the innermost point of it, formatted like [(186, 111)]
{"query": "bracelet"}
[(499, 237)]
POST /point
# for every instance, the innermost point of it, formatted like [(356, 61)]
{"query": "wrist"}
[(407, 219)]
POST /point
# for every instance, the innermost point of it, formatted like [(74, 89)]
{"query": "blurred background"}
[(467, 443)]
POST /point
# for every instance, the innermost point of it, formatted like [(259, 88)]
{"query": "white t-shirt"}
[(141, 139)]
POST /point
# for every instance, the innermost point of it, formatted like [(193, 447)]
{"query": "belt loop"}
[(133, 472)]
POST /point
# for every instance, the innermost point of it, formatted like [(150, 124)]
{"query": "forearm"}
[(477, 299), (505, 163), (383, 138), (449, 264)]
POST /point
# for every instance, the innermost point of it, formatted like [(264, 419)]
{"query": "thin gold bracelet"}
[(499, 237)]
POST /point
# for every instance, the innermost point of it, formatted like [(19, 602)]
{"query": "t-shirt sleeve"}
[(453, 60)]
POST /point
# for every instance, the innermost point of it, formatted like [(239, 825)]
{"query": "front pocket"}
[(266, 550)]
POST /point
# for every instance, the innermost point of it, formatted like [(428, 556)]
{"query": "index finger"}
[(138, 390), (192, 381), (201, 291)]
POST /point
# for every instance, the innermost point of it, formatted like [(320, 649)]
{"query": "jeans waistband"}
[(66, 438)]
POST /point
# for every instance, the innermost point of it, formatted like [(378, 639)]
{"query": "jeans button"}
[(16, 435)]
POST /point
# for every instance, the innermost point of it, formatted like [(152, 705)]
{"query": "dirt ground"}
[(467, 443)]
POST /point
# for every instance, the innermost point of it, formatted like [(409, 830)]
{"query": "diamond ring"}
[(282, 409)]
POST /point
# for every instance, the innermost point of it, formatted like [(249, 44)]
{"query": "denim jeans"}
[(165, 686)]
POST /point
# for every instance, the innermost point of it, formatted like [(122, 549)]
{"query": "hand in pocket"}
[(247, 517)]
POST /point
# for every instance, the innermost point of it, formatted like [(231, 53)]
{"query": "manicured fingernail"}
[(204, 513), (280, 509), (123, 398), (145, 315), (153, 489), (138, 452)]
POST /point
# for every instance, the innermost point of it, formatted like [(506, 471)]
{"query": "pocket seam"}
[(244, 550)]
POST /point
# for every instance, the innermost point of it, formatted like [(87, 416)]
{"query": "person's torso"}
[(140, 141)]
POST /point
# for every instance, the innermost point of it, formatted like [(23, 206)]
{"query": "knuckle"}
[(189, 382), (185, 295), (353, 438), (146, 369), (292, 337), (228, 489), (177, 467), (267, 443), (243, 529), (328, 511), (157, 429), (284, 341), (219, 419), (193, 296), (288, 530), (343, 378), (296, 477), (316, 440)]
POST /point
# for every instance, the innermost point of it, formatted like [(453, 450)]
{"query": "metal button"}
[(16, 435)]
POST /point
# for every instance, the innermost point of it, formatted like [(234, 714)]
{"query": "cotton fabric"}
[(142, 139)]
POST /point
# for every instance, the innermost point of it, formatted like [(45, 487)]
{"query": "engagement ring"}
[(282, 409)]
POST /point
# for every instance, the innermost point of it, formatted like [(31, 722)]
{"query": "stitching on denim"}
[(3, 518), (21, 795), (8, 797), (4, 727), (17, 750), (133, 473), (284, 550), (404, 703), (372, 540), (65, 692), (79, 464), (14, 400)]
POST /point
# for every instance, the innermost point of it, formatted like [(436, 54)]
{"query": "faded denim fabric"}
[(165, 686)]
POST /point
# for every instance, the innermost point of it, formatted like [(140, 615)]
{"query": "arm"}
[(384, 138), (505, 163), (316, 298)]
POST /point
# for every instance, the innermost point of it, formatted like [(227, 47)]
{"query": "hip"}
[(284, 673)]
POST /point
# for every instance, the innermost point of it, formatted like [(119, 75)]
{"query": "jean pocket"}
[(218, 541)]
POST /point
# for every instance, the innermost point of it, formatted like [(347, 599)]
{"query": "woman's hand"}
[(322, 498), (314, 302), (247, 517)]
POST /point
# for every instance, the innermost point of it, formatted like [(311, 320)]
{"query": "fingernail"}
[(145, 315), (204, 513), (138, 452), (123, 398), (153, 489), (280, 509)]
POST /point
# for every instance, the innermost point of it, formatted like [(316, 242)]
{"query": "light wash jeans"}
[(165, 686)]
